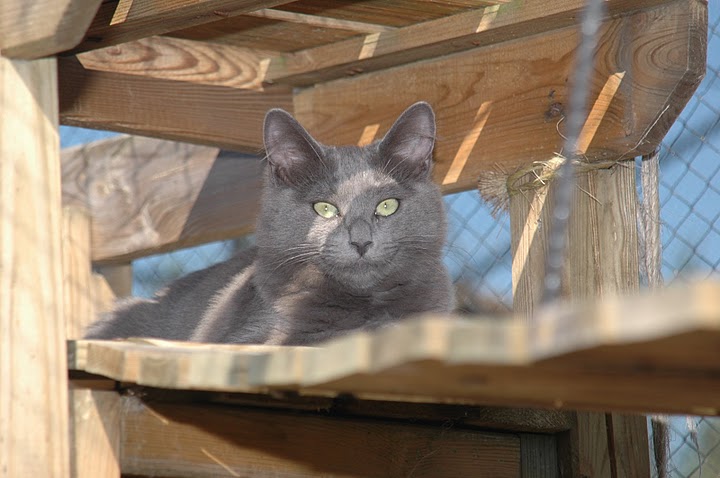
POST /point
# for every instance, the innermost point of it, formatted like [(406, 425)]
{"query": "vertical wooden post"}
[(602, 259), (33, 362)]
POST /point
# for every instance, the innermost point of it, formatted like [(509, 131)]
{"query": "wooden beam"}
[(225, 65), (96, 431), (650, 354), (33, 374), (320, 21), (79, 304), (36, 28), (220, 116), (147, 195), (128, 20), (452, 34), (488, 118), (177, 59), (176, 439), (602, 260)]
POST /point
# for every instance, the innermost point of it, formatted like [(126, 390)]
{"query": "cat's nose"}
[(361, 247)]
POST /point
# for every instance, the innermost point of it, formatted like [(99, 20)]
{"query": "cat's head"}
[(360, 215)]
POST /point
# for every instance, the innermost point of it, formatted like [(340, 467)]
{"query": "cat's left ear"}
[(407, 148)]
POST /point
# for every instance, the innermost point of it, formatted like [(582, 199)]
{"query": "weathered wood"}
[(178, 59), (36, 28), (176, 439), (128, 20), (492, 418), (220, 116), (95, 433), (486, 121), (649, 353), (602, 259), (539, 456), (226, 65), (79, 304), (320, 21), (148, 195), (446, 35), (33, 373), (118, 277)]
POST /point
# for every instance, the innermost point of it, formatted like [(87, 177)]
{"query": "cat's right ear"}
[(292, 153)]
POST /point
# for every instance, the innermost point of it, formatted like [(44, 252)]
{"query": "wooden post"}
[(33, 370), (601, 259)]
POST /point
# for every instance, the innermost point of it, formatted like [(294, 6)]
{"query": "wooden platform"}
[(657, 353)]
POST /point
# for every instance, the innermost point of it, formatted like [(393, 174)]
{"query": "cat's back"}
[(174, 312)]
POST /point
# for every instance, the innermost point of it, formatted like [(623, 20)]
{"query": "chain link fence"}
[(478, 248)]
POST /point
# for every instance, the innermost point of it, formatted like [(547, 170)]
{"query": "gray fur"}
[(306, 281)]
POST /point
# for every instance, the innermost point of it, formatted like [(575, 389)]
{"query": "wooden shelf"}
[(654, 353)]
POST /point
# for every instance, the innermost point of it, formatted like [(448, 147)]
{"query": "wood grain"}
[(36, 28), (128, 20), (601, 260), (95, 433), (430, 39), (642, 354), (175, 439), (79, 304), (33, 374), (178, 59), (220, 116), (148, 195), (487, 121)]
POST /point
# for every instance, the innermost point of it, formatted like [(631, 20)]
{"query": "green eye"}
[(387, 207), (325, 209)]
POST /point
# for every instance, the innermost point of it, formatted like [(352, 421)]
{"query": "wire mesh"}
[(478, 247)]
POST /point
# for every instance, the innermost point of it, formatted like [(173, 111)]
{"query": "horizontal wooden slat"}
[(654, 353), (184, 440), (36, 28), (126, 20), (319, 21), (177, 59), (499, 107), (146, 195), (220, 116)]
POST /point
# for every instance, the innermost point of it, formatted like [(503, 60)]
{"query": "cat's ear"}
[(406, 150), (293, 154)]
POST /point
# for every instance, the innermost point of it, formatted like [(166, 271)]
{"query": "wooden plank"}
[(118, 277), (488, 120), (451, 34), (36, 28), (128, 20), (79, 305), (237, 66), (33, 374), (539, 456), (649, 353), (148, 195), (221, 116), (178, 59), (602, 259), (320, 21), (95, 433), (175, 439)]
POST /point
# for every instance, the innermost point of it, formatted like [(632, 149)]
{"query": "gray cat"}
[(348, 238)]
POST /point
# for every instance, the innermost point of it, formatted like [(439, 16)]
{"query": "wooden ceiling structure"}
[(496, 72)]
